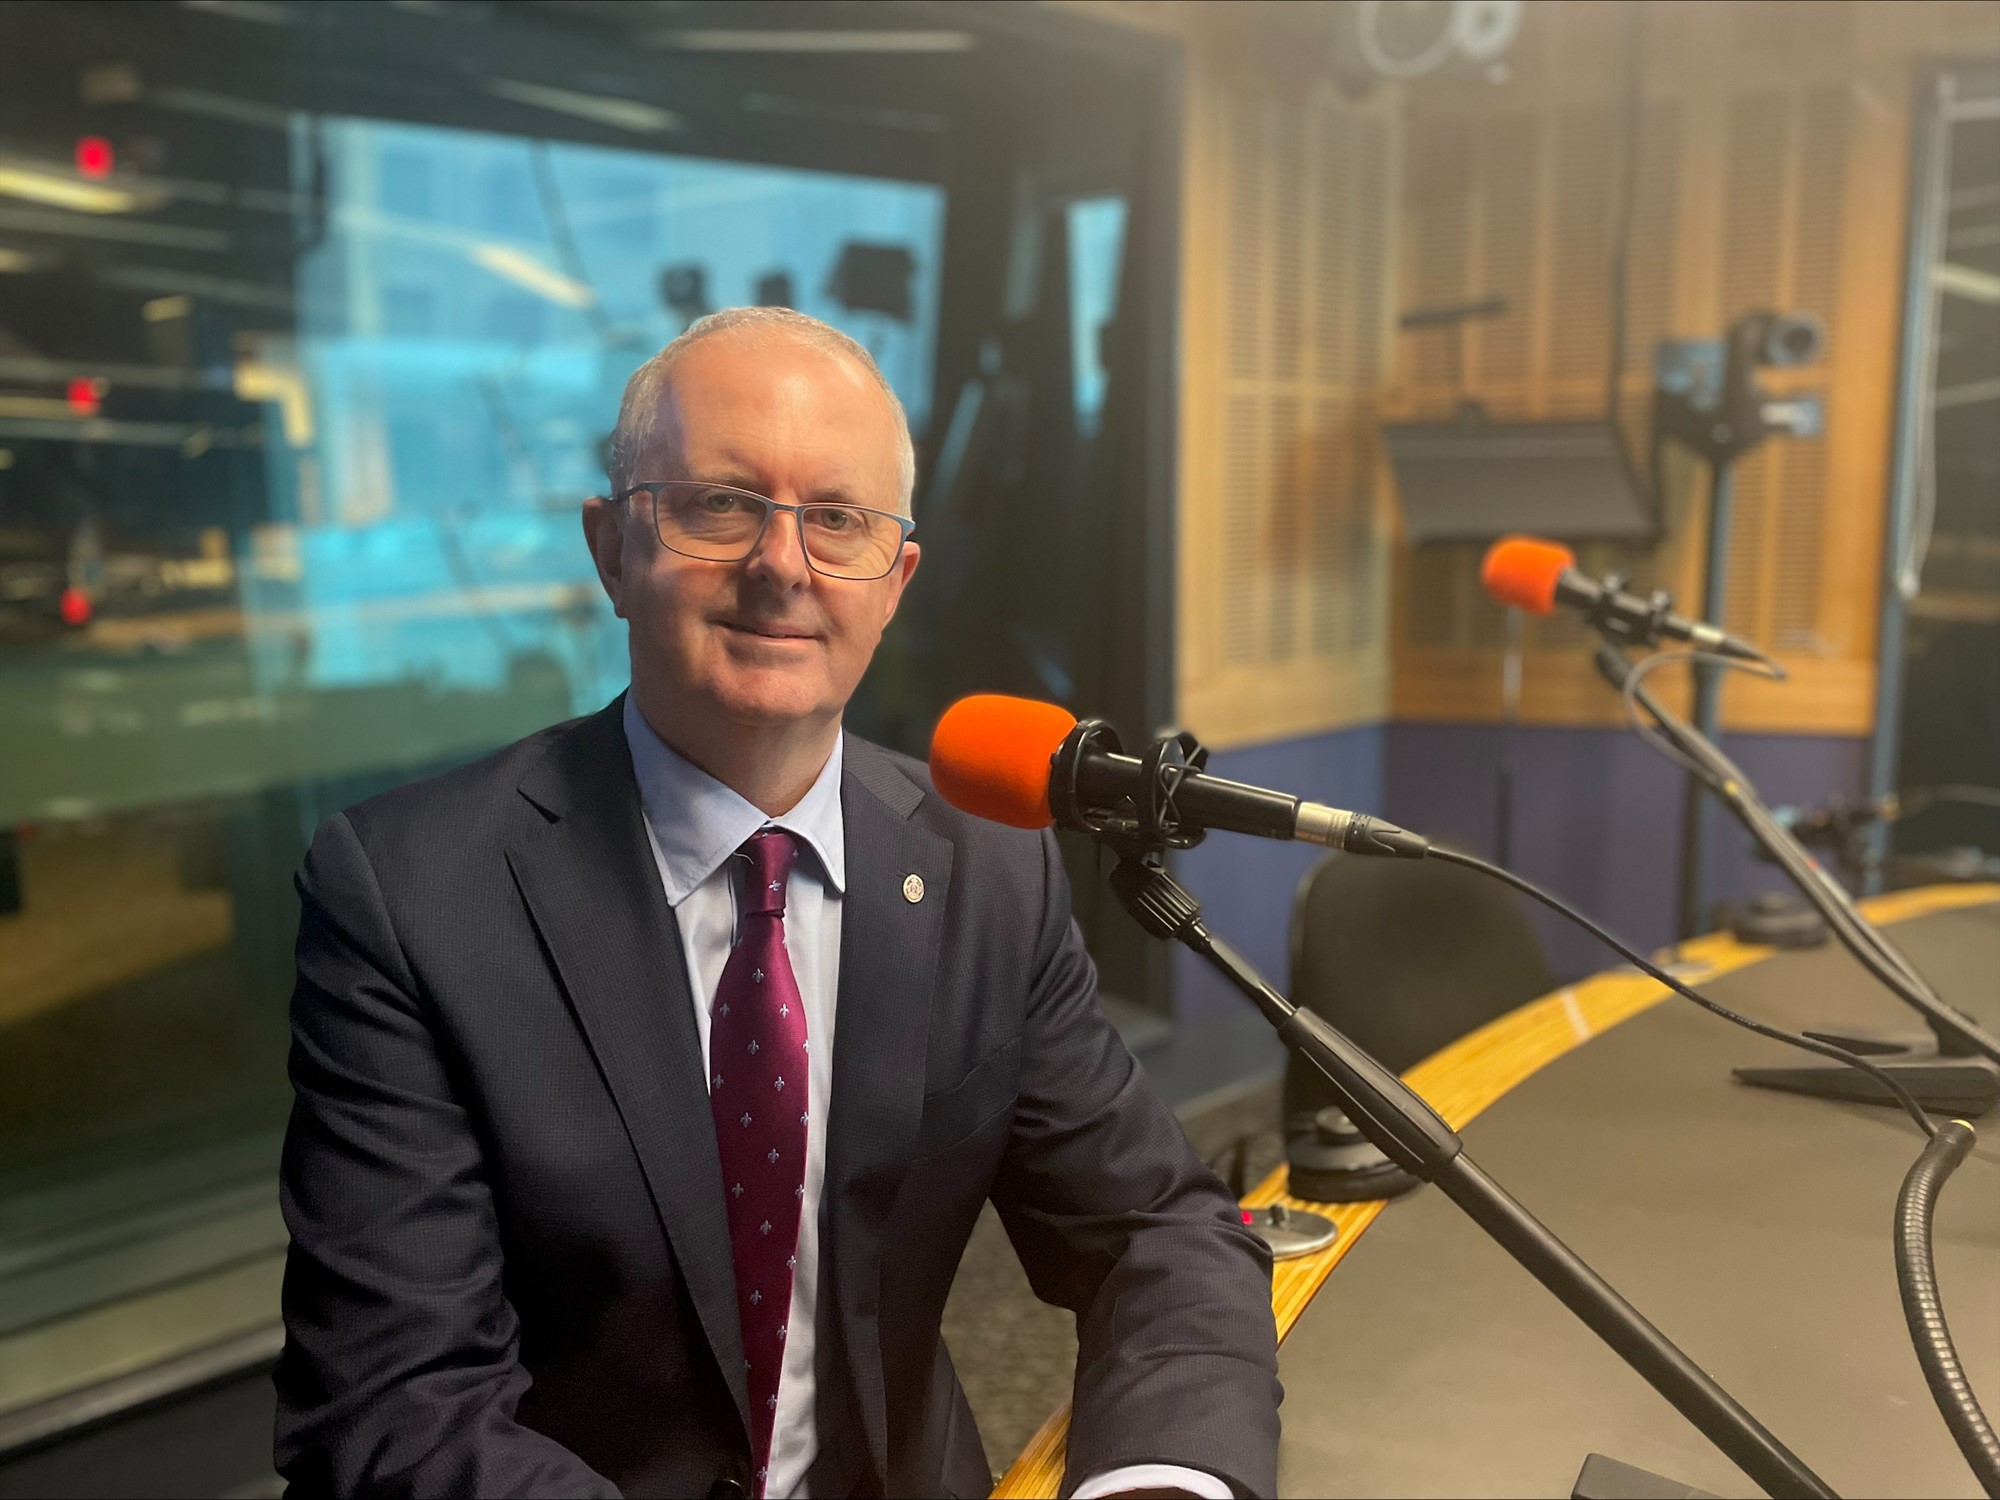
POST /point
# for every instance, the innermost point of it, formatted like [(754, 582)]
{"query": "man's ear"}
[(906, 567), (604, 533)]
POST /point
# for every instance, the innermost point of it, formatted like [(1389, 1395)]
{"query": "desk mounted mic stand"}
[(1709, 399), (1411, 1134), (1955, 1068)]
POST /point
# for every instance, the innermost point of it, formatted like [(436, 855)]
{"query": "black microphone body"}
[(1103, 779), (1645, 620)]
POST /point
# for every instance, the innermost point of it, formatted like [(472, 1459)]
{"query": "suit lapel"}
[(888, 962), (590, 881)]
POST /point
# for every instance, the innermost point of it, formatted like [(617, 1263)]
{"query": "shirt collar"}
[(697, 822)]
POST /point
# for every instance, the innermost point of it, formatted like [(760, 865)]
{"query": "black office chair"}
[(1405, 957)]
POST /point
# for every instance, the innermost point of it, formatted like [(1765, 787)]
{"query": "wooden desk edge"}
[(1464, 1079)]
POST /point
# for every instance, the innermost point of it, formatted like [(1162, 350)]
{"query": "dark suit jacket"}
[(510, 1271)]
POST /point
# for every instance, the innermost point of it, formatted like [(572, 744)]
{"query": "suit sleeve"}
[(399, 1374), (1116, 1218)]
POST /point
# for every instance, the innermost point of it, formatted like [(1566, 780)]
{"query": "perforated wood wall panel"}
[(1769, 174), (1284, 547)]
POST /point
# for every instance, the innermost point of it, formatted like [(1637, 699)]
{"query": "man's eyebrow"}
[(735, 478), (835, 494), (741, 479)]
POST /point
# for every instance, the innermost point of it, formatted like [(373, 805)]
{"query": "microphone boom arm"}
[(1412, 1134), (1965, 1073)]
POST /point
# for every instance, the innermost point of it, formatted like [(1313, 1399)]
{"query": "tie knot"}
[(771, 852)]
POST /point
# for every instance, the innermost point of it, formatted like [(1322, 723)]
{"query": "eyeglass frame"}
[(651, 489)]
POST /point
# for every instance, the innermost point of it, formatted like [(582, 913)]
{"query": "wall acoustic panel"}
[(1288, 254), (1768, 173)]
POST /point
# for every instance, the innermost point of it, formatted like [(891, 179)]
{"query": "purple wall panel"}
[(1597, 821), (1598, 817)]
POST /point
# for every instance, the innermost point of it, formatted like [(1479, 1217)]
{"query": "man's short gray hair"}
[(641, 405)]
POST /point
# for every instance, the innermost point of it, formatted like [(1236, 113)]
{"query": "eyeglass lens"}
[(722, 525)]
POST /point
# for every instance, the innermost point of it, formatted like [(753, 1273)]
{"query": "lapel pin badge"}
[(913, 888)]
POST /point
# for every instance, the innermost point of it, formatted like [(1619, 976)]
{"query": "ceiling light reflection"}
[(58, 190), (1967, 281), (858, 40), (599, 109), (525, 271)]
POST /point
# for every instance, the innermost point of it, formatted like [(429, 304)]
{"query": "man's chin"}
[(772, 698)]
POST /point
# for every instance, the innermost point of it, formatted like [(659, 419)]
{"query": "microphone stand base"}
[(1604, 1478), (1943, 1083), (1330, 1161), (1290, 1231), (1381, 1180)]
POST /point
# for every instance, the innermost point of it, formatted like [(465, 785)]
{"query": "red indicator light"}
[(75, 606), (1249, 1217), (85, 397), (94, 156)]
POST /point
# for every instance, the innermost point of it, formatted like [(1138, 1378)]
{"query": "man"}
[(652, 1072)]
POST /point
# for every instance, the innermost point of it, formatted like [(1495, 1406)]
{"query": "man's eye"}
[(719, 502), (836, 520)]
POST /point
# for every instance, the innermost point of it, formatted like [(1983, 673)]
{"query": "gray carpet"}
[(1017, 1355)]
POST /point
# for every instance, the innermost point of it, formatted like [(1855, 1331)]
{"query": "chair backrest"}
[(1405, 956)]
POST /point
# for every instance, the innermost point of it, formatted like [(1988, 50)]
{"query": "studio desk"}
[(1752, 1227)]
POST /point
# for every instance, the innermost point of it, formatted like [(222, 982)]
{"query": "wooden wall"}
[(1771, 173), (1288, 251)]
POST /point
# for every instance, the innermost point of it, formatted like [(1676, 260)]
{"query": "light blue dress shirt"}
[(696, 825)]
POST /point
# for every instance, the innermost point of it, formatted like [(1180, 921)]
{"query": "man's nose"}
[(780, 558)]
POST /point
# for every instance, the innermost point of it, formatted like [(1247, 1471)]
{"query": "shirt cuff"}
[(1153, 1477)]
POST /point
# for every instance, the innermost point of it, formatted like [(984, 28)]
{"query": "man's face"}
[(766, 641)]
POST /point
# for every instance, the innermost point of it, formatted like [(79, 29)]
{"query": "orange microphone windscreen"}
[(1523, 571), (990, 757)]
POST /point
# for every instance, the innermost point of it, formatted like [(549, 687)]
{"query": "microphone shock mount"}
[(1155, 822)]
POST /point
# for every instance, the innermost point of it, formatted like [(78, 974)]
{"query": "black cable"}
[(1411, 1133), (1707, 761), (1916, 1273), (1646, 966), (1923, 798), (1854, 928), (1916, 1278), (1727, 780), (1702, 758)]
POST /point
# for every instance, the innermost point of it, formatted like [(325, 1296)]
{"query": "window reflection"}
[(1096, 250)]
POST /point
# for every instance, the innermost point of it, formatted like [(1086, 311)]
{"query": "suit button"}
[(727, 1489)]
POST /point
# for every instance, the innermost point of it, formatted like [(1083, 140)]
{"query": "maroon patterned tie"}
[(757, 1093)]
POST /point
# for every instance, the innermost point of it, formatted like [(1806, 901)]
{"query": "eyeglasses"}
[(718, 523)]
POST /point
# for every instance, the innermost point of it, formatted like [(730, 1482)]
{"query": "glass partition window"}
[(1947, 732), (1096, 251), (296, 413)]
